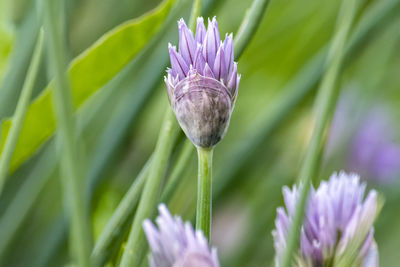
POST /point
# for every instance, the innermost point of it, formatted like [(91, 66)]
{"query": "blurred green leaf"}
[(88, 73), (7, 41)]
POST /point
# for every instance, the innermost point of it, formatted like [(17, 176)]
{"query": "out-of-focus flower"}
[(373, 152), (202, 82), (176, 244), (368, 139), (338, 224)]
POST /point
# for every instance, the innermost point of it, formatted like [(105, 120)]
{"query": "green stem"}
[(326, 100), (249, 26), (135, 248), (115, 227), (18, 209), (26, 34), (20, 112), (63, 104), (196, 11), (176, 175), (204, 191)]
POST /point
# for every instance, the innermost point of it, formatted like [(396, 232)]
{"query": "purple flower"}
[(338, 224), (176, 244), (202, 82), (368, 137), (373, 152)]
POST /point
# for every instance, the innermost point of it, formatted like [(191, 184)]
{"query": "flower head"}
[(176, 244), (373, 151), (337, 224), (202, 82), (368, 137)]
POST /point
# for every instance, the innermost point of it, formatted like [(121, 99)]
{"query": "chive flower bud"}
[(177, 244), (337, 225), (202, 82)]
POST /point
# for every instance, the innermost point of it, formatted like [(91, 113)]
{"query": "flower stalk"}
[(204, 191), (20, 112), (135, 250), (72, 172)]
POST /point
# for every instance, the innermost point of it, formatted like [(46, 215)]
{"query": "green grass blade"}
[(249, 25), (116, 226), (71, 170), (136, 245), (12, 83), (20, 111), (21, 205), (181, 164), (326, 100)]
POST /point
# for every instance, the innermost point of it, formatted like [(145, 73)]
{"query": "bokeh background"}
[(261, 152)]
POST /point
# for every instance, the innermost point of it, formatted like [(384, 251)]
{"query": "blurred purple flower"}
[(367, 139), (202, 82), (176, 244), (373, 153), (338, 221)]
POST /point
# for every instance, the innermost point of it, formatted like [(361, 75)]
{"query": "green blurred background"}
[(291, 33)]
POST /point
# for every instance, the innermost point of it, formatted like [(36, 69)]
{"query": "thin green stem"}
[(249, 25), (20, 111), (26, 196), (326, 100), (196, 11), (204, 191), (180, 165), (135, 247), (115, 227), (71, 171), (26, 34)]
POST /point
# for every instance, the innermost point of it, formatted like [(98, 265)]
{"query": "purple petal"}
[(220, 70), (228, 47), (233, 79), (200, 30), (178, 64), (238, 81), (199, 61), (211, 42), (187, 45), (216, 31), (151, 234), (208, 72)]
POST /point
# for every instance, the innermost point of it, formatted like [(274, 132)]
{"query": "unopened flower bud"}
[(202, 82)]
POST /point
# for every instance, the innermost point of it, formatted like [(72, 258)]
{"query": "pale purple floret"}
[(202, 82), (177, 244), (337, 219)]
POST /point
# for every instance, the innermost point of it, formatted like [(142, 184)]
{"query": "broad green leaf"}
[(88, 73)]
